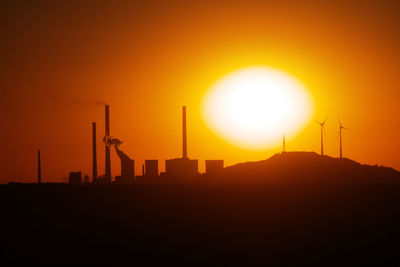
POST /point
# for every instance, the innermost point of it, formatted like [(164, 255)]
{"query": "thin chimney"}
[(184, 155), (94, 174), (39, 169), (108, 160)]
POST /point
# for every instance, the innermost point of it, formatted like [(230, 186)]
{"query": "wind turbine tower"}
[(322, 124), (284, 143), (341, 127)]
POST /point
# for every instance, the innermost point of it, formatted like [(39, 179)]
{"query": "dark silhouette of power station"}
[(127, 167), (182, 167), (176, 170), (108, 159)]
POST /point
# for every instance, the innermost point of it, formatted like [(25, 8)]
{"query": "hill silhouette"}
[(308, 167), (298, 208)]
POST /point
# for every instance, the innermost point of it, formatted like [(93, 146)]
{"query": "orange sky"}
[(148, 59)]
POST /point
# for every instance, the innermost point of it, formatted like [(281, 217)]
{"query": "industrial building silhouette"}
[(185, 170), (178, 170), (181, 168), (127, 168)]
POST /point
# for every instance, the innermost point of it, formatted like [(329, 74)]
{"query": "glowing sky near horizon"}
[(61, 60)]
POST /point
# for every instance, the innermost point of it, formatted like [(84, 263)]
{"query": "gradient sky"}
[(60, 60)]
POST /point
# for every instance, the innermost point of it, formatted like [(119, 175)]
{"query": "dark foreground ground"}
[(201, 225)]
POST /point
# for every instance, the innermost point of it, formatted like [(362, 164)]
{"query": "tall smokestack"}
[(39, 169), (184, 155), (108, 160), (94, 174)]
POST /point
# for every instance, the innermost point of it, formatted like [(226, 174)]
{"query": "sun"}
[(253, 107)]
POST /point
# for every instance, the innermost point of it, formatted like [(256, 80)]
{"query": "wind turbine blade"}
[(325, 120), (340, 123)]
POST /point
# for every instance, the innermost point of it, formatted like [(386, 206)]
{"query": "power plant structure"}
[(181, 168), (127, 168), (127, 164), (150, 168), (176, 170), (150, 174), (107, 175), (106, 178)]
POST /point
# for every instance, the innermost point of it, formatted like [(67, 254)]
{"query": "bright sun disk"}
[(253, 107)]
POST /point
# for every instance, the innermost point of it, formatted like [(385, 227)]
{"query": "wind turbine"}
[(322, 124), (341, 127), (284, 143)]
